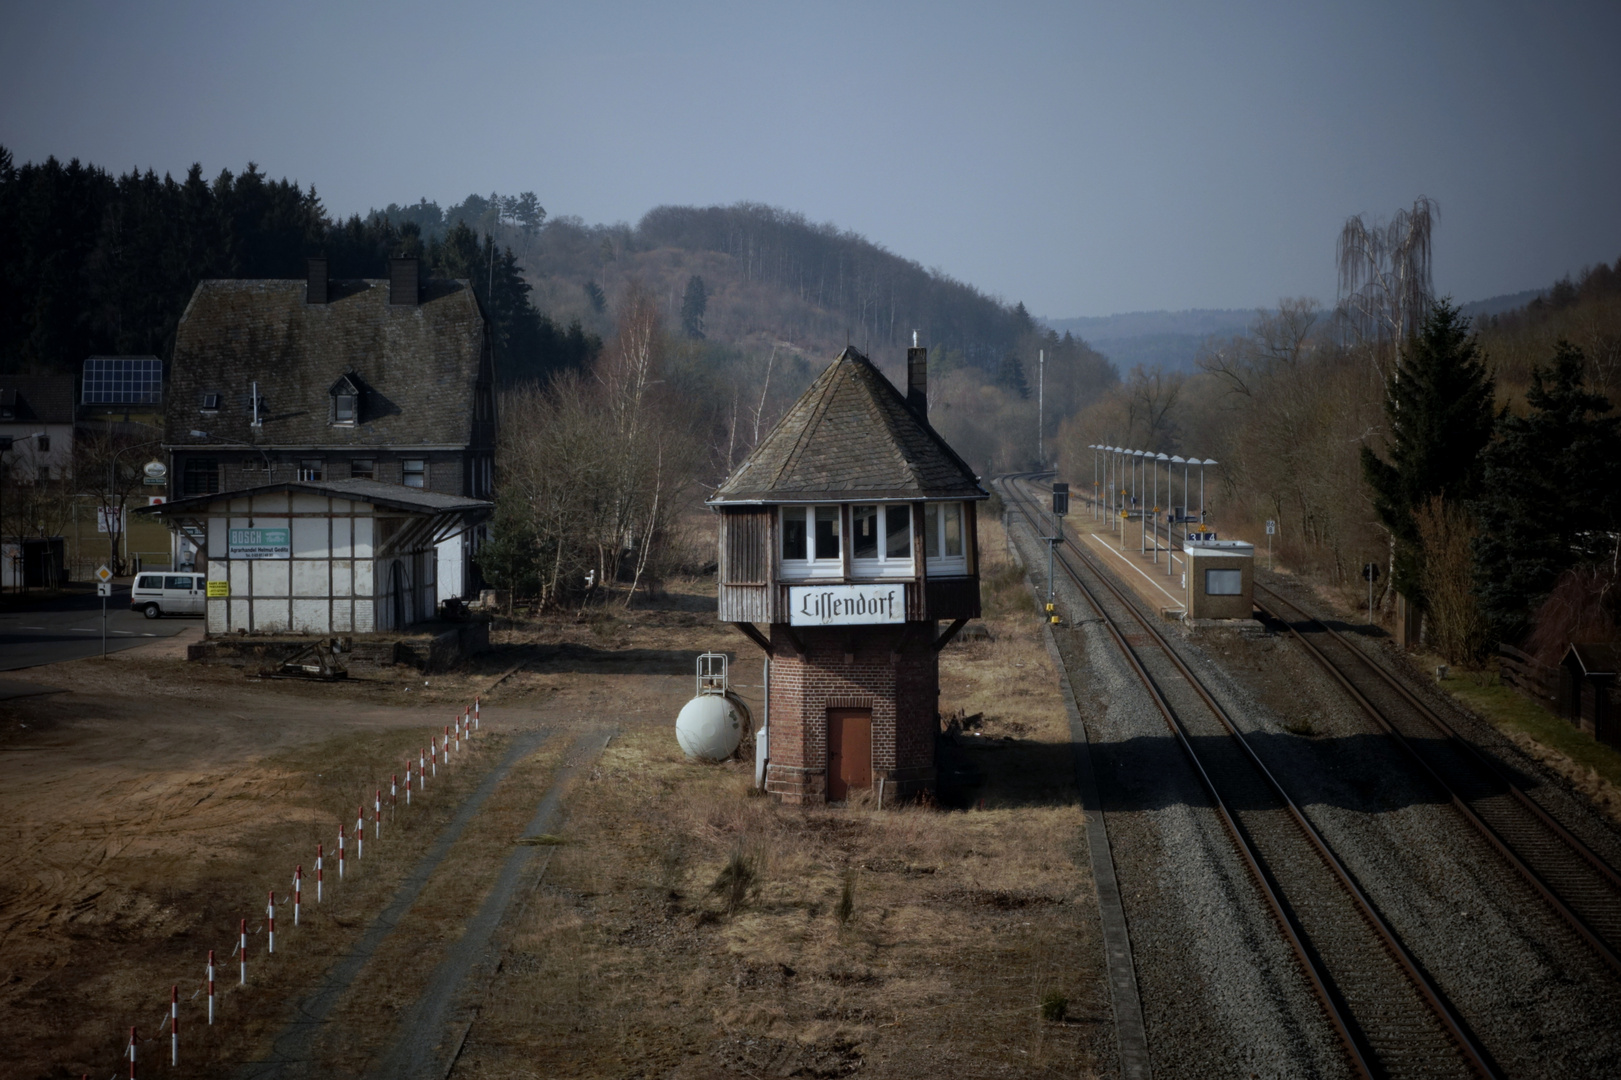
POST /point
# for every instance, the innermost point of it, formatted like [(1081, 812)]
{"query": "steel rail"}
[(1355, 1040), (1492, 836)]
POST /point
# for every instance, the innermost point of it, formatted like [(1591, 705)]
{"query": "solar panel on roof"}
[(116, 380)]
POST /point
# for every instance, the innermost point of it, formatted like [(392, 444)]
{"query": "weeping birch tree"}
[(1385, 287)]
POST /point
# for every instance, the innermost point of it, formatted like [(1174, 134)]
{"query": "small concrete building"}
[(321, 557), (1221, 579), (850, 532)]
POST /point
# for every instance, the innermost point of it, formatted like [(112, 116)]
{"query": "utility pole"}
[(1041, 416)]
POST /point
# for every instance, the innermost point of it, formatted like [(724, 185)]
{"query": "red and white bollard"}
[(407, 783), (360, 832), (243, 952), (433, 754), (377, 815), (340, 852), (298, 890), (422, 761), (131, 1054), (318, 854), (211, 987), (174, 1025), (475, 712), (270, 922), (393, 792)]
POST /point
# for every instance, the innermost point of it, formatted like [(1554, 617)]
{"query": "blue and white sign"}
[(260, 544), (846, 605)]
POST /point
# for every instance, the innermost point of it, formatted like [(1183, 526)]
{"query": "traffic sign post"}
[(1271, 527), (104, 589)]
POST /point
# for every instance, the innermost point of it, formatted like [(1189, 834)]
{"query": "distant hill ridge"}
[(1171, 339)]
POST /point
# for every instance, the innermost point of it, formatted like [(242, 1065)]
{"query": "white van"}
[(168, 594)]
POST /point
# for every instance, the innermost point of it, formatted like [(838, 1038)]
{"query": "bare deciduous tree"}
[(1385, 289)]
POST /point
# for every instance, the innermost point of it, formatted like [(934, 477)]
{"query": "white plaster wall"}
[(365, 623), (312, 577), (342, 578), (270, 577), (271, 616), (311, 616), (310, 537), (219, 615)]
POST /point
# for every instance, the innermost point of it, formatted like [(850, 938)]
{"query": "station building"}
[(349, 556), (323, 379), (846, 538)]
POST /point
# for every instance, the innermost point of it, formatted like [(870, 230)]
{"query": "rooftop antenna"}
[(914, 339)]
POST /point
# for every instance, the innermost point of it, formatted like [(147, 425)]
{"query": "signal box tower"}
[(846, 538)]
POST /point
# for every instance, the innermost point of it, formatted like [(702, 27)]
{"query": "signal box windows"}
[(942, 538), (1224, 583), (810, 535)]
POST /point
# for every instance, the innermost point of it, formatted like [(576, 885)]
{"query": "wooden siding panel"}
[(745, 603), (745, 546), (952, 598)]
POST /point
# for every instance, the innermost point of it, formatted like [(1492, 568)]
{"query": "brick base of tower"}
[(892, 670)]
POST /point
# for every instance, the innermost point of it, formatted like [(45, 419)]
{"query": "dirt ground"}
[(684, 927)]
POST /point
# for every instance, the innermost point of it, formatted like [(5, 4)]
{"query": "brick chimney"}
[(315, 291), (917, 380), (404, 282)]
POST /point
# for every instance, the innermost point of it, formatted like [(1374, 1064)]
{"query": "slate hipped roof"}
[(418, 365), (850, 436)]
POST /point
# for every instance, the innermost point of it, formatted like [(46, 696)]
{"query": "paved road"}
[(69, 627)]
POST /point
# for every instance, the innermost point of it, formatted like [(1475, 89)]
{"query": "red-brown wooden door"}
[(849, 752)]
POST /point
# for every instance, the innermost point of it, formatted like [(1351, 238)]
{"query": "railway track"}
[(1392, 1020), (1574, 880)]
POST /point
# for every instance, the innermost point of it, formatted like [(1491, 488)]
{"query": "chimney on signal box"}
[(917, 378), (315, 291), (404, 282)]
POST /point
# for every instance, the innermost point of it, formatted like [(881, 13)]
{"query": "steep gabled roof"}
[(850, 436), (36, 399), (417, 365)]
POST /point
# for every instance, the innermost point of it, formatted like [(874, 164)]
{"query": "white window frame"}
[(883, 566), (811, 567), (421, 474), (943, 565)]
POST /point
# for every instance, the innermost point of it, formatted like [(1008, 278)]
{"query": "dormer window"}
[(346, 401), (210, 403)]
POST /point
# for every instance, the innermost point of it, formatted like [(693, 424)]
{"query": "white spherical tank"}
[(710, 726)]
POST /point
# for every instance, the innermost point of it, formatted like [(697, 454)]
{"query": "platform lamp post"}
[(1114, 484), (6, 443), (1180, 511), (1167, 459), (1093, 447), (1139, 498), (1202, 464)]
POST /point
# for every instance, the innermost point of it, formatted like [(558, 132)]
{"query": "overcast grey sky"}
[(1085, 158)]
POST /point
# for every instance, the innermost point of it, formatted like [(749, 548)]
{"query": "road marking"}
[(1134, 566), (123, 631), (30, 628), (85, 630)]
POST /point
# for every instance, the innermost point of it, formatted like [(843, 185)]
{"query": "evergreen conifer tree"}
[(1439, 412), (1551, 497)]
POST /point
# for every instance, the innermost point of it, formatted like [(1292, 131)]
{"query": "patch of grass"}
[(543, 840), (737, 880), (1301, 726), (1512, 711), (1054, 1007), (847, 899)]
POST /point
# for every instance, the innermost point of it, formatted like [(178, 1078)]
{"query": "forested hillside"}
[(1475, 463)]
